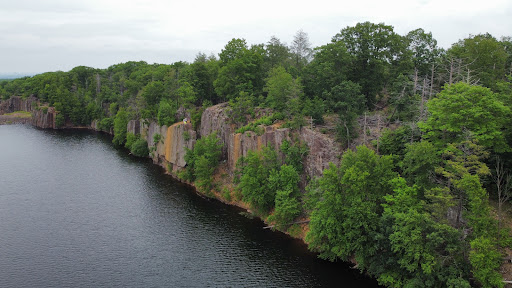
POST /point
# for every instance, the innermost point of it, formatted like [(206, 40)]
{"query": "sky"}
[(49, 35)]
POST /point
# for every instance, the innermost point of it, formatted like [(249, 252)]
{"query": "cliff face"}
[(322, 149), (215, 119), (14, 104), (170, 150), (40, 117)]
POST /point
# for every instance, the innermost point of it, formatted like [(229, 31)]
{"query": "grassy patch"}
[(20, 114)]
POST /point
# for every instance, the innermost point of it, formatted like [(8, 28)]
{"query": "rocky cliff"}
[(169, 151), (322, 149), (42, 117)]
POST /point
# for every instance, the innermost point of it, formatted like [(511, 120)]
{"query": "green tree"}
[(203, 160), (277, 54), (241, 70), (285, 183), (346, 99), (345, 220), (166, 113), (484, 58), (255, 170), (139, 147), (376, 49), (424, 50), (280, 86), (120, 127), (461, 109), (329, 67)]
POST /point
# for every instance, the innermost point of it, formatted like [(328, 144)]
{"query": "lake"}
[(76, 212)]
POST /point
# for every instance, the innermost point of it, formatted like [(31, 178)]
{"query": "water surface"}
[(75, 212)]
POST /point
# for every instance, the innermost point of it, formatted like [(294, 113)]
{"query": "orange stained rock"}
[(236, 148), (169, 140)]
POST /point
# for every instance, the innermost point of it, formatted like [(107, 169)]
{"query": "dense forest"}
[(412, 209)]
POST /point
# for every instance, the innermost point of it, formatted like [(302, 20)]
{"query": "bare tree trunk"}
[(451, 72), (502, 181), (378, 129), (348, 134), (431, 82), (422, 99), (415, 80), (364, 128)]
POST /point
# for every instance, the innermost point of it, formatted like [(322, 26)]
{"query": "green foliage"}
[(419, 164), (139, 147), (153, 92), (346, 100), (120, 123), (240, 108), (281, 89), (255, 170), (484, 56), (266, 121), (485, 262), (461, 109), (345, 219), (315, 108), (166, 113), (376, 51), (202, 161), (285, 183), (106, 124), (424, 50), (294, 154), (241, 70), (130, 139), (156, 138), (393, 142)]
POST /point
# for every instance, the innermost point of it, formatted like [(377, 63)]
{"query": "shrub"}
[(139, 148)]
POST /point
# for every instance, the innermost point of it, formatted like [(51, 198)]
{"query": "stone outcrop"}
[(322, 150), (133, 127), (42, 117), (14, 104), (215, 119), (240, 144), (44, 120), (173, 141)]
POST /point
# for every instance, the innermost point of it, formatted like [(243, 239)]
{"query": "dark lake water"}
[(75, 212)]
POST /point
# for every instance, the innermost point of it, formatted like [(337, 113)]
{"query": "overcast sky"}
[(49, 35)]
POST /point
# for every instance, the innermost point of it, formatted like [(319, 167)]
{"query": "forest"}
[(425, 205)]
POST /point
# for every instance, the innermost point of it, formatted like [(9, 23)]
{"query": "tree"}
[(202, 161), (166, 113), (345, 220), (424, 50), (346, 99), (485, 58), (255, 170), (329, 67), (376, 49), (279, 86), (301, 50), (285, 182), (277, 54), (461, 109), (241, 70), (419, 164), (120, 127)]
